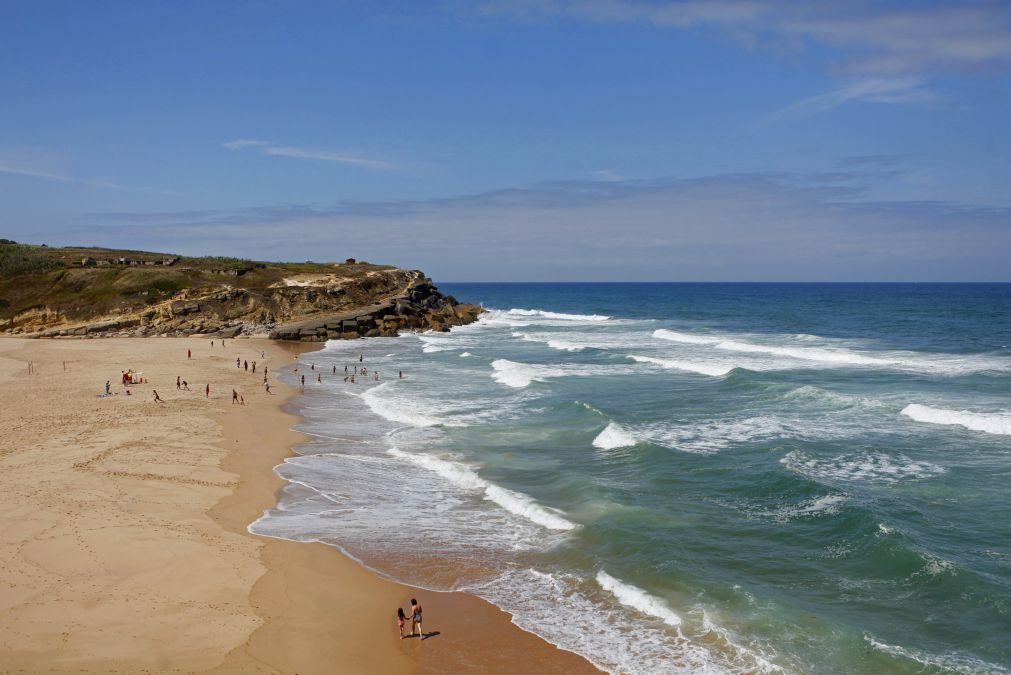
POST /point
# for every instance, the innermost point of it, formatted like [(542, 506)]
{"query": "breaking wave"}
[(613, 436), (516, 503), (989, 423)]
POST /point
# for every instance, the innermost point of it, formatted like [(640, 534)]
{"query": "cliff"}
[(90, 292)]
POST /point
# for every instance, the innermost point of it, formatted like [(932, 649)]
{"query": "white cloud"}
[(874, 40), (275, 150)]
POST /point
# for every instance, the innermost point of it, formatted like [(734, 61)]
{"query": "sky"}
[(519, 140)]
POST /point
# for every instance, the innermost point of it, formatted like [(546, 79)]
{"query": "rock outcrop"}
[(306, 307)]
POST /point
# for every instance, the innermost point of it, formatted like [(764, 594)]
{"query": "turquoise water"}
[(688, 477)]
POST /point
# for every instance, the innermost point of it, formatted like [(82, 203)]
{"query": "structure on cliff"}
[(51, 292)]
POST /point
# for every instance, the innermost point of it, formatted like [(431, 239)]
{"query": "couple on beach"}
[(415, 620)]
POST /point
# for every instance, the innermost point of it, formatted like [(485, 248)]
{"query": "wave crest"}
[(989, 423), (516, 503)]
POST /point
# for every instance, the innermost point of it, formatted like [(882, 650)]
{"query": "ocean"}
[(667, 478)]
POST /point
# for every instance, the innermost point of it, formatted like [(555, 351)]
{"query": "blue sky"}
[(519, 139)]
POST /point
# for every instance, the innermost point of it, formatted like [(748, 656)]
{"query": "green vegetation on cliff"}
[(80, 283)]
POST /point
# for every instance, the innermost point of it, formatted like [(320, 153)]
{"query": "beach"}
[(123, 534)]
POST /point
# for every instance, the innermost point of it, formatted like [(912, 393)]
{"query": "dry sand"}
[(123, 542)]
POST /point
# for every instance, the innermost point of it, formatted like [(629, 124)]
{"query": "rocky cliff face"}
[(307, 307)]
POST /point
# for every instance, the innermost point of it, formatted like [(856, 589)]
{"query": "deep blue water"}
[(689, 477)]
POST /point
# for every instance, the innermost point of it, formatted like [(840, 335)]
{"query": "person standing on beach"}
[(207, 391), (238, 362), (245, 366), (107, 387), (401, 620), (416, 619), (189, 353), (178, 382), (235, 397)]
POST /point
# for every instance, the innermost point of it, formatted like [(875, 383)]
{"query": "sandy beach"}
[(123, 542)]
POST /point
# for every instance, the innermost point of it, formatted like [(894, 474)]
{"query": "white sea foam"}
[(824, 505), (711, 436), (951, 662), (840, 356), (797, 355), (558, 316), (700, 367), (513, 374), (990, 423), (397, 410), (519, 375), (554, 343), (613, 436), (638, 599), (687, 338), (866, 466), (515, 502), (623, 639), (465, 355)]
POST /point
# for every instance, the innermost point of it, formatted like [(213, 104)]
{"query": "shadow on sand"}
[(423, 636)]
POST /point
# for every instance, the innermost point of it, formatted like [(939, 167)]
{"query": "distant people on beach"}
[(186, 385), (179, 382), (189, 353), (31, 368), (157, 398), (235, 397), (107, 388), (207, 391)]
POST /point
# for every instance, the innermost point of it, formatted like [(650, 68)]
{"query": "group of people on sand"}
[(416, 630)]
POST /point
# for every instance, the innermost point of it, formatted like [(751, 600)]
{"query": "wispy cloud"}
[(31, 172), (607, 174), (872, 39), (276, 150), (886, 54), (872, 90)]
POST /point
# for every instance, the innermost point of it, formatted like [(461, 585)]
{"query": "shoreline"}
[(308, 607)]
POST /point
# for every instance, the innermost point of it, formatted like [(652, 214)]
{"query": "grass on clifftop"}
[(37, 277)]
